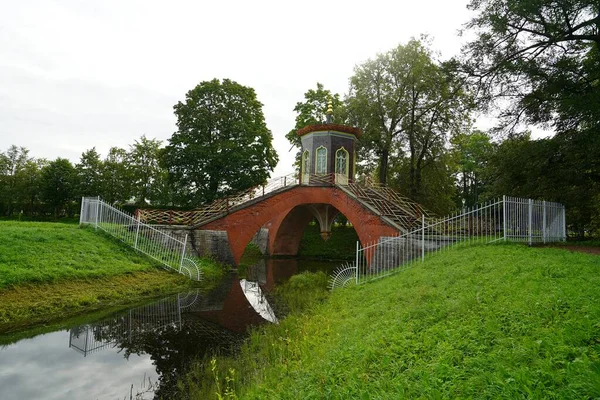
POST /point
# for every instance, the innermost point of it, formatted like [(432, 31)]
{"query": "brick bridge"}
[(276, 216), (278, 212)]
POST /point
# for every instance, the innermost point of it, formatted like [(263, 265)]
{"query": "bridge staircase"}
[(401, 212)]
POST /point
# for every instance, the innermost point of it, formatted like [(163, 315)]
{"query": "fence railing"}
[(508, 219), (166, 249)]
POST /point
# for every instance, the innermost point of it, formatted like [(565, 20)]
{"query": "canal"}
[(140, 353)]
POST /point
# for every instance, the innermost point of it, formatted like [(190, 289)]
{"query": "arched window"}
[(305, 166), (341, 166), (321, 160)]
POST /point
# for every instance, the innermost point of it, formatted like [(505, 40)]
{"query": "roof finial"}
[(330, 111)]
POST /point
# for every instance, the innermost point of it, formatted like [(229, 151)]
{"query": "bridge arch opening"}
[(285, 238)]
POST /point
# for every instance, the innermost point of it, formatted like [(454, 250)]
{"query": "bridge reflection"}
[(223, 314)]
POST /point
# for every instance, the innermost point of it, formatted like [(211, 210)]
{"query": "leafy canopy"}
[(539, 57), (222, 144)]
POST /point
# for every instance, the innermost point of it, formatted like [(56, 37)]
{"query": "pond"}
[(132, 352)]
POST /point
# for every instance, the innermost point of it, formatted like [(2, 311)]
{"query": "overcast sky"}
[(75, 74)]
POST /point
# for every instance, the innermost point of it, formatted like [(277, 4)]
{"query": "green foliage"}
[(340, 246), (222, 144), (438, 189), (147, 175), (58, 184), (563, 168), (302, 292), (407, 104), (313, 110), (484, 322), (539, 56), (89, 173), (117, 177), (471, 152)]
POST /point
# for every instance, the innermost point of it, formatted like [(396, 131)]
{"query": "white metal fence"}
[(158, 245), (507, 219)]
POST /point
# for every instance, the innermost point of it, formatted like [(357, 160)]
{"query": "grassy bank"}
[(340, 246), (50, 271), (495, 321)]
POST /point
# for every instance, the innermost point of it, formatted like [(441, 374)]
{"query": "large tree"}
[(407, 104), (540, 58), (222, 144)]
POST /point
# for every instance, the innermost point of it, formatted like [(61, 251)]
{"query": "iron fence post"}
[(422, 237), (544, 221), (564, 225), (81, 211), (183, 253), (504, 215), (356, 261), (97, 210), (530, 221), (137, 232)]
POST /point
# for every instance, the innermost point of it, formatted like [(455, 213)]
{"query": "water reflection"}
[(157, 340)]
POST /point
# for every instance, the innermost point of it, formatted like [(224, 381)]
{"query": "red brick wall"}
[(241, 225)]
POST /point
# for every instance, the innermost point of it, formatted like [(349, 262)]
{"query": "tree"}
[(407, 104), (222, 144), (58, 184), (89, 173), (541, 58), (472, 151), (28, 185), (116, 176), (146, 171), (313, 110), (12, 163), (556, 169)]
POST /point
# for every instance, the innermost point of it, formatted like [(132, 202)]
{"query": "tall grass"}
[(497, 321)]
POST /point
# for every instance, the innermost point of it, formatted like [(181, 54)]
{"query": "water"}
[(146, 345)]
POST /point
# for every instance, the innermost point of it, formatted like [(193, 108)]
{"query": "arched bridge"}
[(280, 211)]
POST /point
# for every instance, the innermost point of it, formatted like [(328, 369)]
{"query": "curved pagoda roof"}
[(330, 127)]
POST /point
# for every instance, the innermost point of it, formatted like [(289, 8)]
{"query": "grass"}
[(50, 271), (43, 303), (498, 321), (49, 252), (340, 246)]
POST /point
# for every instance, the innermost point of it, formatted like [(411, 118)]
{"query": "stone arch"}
[(271, 212)]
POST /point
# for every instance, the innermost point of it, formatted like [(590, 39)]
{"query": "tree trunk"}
[(383, 166)]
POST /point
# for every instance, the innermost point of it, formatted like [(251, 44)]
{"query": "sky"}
[(77, 74)]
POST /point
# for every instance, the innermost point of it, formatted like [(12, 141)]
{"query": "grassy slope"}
[(50, 271), (496, 321), (44, 252)]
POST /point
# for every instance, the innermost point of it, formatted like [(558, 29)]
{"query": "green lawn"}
[(487, 322), (44, 252), (50, 271)]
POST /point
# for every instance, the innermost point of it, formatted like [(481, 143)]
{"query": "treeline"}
[(39, 188)]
